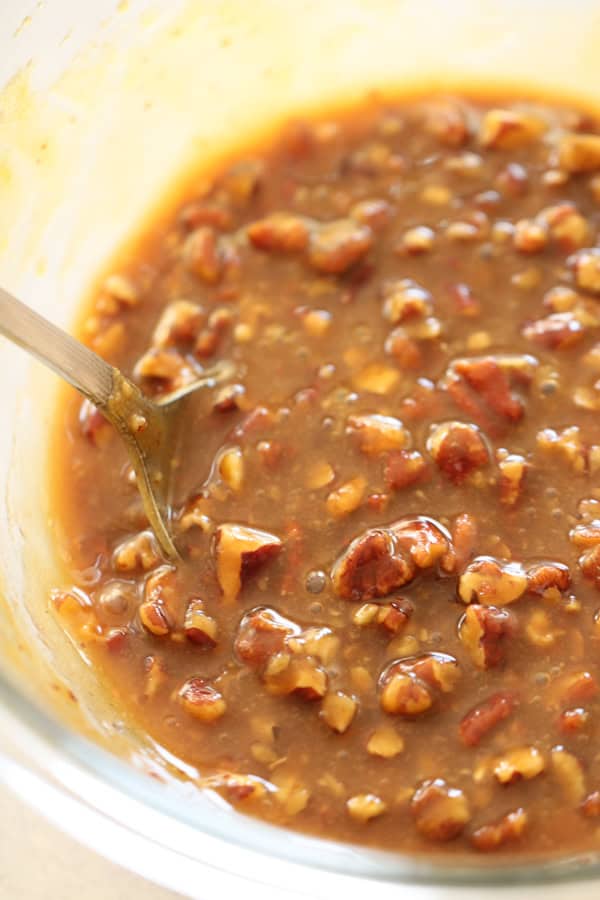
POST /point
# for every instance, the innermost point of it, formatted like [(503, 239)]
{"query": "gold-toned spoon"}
[(146, 427)]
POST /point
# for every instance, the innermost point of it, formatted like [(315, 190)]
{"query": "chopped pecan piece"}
[(139, 552), (371, 567), (507, 129), (390, 616), (403, 468), (202, 254), (404, 349), (229, 398), (492, 582), (374, 213), (513, 472), (364, 807), (180, 323), (482, 385), (480, 720), (573, 720), (520, 763), (446, 121), (440, 811), (243, 180), (385, 742), (484, 631), (566, 444), (280, 233), (568, 771), (566, 226), (404, 300), (423, 539), (530, 236), (238, 550), (201, 700), (585, 265), (403, 693), (590, 807), (296, 675), (458, 449), (346, 498), (261, 634), (462, 545), (154, 617), (579, 152), (587, 535), (167, 367), (199, 627), (589, 563), (548, 578), (408, 685), (338, 711), (505, 830), (335, 246), (555, 332), (576, 687), (378, 434)]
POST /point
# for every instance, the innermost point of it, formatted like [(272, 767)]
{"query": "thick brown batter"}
[(385, 625)]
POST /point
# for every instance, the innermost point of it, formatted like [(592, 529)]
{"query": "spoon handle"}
[(79, 365)]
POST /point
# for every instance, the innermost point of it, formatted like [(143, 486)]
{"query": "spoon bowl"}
[(147, 428)]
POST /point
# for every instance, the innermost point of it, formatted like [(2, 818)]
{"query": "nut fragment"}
[(482, 386), (403, 468), (201, 700), (579, 152), (521, 763), (408, 685), (199, 627), (154, 618), (590, 807), (298, 675), (137, 552), (476, 724), (507, 129), (492, 582), (568, 771), (440, 811), (335, 246), (558, 331), (378, 434), (585, 265), (484, 631), (513, 472), (404, 694), (458, 449), (180, 323), (565, 444), (364, 807), (261, 634), (505, 830), (385, 742), (238, 550), (405, 299), (202, 255), (231, 468), (347, 497), (280, 233), (338, 711), (383, 559)]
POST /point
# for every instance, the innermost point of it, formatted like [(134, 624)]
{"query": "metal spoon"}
[(147, 427)]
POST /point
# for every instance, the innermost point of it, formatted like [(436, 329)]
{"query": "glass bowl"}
[(103, 106)]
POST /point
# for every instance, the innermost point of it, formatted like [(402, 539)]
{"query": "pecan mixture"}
[(385, 627)]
